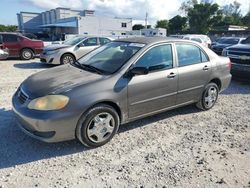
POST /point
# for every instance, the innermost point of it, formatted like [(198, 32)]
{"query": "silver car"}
[(119, 82), (71, 49)]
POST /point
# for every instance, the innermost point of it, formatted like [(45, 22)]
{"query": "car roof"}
[(149, 40)]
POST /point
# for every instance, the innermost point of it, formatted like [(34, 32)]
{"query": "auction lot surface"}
[(184, 147)]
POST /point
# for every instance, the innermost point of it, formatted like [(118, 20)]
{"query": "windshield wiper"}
[(89, 67)]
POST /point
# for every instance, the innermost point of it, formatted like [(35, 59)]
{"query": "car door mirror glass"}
[(139, 71)]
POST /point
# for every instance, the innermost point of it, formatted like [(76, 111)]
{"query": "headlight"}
[(49, 102), (51, 52), (224, 52)]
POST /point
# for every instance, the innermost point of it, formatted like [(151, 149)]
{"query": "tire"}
[(67, 58), (27, 54), (94, 128), (209, 97)]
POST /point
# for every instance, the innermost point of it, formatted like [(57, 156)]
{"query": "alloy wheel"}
[(211, 96)]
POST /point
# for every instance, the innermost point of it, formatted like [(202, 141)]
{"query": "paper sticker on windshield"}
[(136, 45)]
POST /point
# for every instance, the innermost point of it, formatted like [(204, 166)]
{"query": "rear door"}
[(157, 90), (194, 69), (11, 42)]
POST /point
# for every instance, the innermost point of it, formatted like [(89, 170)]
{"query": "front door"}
[(87, 45), (11, 42), (157, 90), (194, 69)]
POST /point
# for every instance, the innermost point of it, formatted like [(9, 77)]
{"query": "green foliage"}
[(138, 27), (202, 17), (177, 24), (162, 24), (10, 28), (246, 19)]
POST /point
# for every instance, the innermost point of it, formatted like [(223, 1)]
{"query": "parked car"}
[(239, 55), (30, 35), (119, 82), (20, 46), (4, 54), (71, 49), (203, 39), (224, 42)]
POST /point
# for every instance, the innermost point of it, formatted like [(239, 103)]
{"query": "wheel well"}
[(217, 82), (115, 106), (69, 54), (27, 48)]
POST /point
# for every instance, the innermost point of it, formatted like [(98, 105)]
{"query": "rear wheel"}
[(97, 126), (67, 58), (209, 97), (27, 54)]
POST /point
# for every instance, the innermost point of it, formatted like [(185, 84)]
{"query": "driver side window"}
[(90, 42), (157, 58)]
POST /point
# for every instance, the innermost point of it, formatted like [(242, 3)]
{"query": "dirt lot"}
[(183, 148)]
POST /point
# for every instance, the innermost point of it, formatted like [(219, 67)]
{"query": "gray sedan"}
[(71, 49), (119, 82)]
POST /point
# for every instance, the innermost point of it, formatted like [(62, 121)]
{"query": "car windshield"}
[(73, 41), (228, 41), (110, 57)]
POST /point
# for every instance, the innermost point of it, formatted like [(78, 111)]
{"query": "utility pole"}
[(146, 20)]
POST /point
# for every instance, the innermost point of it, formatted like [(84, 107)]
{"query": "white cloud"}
[(136, 9)]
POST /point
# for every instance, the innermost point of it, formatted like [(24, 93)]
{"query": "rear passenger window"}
[(157, 58), (90, 42), (9, 38), (189, 54)]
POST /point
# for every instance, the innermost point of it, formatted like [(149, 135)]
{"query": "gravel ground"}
[(180, 148)]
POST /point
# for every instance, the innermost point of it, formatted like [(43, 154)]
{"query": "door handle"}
[(205, 67), (171, 75)]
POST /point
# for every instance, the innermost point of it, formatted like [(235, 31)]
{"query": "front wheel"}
[(209, 97), (97, 126), (67, 58)]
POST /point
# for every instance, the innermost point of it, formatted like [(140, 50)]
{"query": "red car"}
[(20, 46)]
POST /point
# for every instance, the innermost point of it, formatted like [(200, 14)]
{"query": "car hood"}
[(240, 47), (221, 45), (57, 80), (55, 47)]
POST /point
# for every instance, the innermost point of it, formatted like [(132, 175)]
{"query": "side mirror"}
[(138, 71), (80, 45)]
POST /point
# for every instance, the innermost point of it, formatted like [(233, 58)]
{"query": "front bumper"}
[(47, 126), (50, 59), (240, 71)]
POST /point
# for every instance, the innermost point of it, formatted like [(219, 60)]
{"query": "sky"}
[(136, 9)]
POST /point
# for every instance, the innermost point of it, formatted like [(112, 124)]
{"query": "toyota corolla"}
[(119, 82)]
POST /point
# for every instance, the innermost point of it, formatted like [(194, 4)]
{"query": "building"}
[(68, 21), (148, 32)]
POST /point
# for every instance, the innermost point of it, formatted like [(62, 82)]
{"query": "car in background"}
[(4, 54), (239, 55), (224, 42), (30, 35), (71, 50), (20, 46), (203, 39), (119, 82)]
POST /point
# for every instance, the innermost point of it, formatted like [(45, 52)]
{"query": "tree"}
[(138, 27), (162, 24), (246, 19), (10, 28), (187, 5), (202, 17), (177, 24), (232, 13)]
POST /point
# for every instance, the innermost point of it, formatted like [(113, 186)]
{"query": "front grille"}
[(239, 49), (240, 61), (22, 97), (238, 53)]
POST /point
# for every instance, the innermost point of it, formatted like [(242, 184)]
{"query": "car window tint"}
[(90, 42), (247, 41), (189, 54), (9, 38), (1, 39), (157, 58), (104, 41)]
